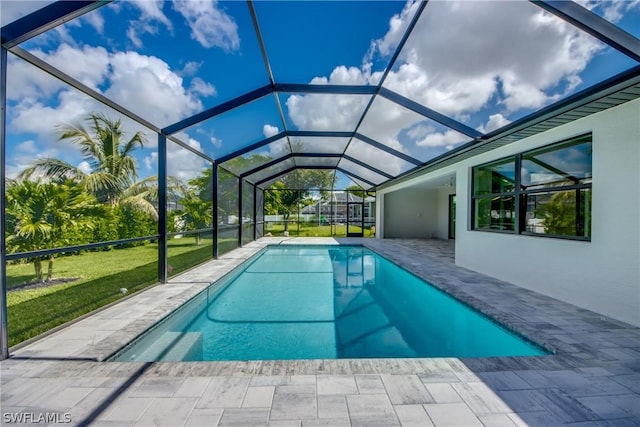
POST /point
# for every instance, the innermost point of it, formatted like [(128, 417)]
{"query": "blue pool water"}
[(323, 302)]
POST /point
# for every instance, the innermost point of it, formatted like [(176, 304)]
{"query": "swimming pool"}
[(323, 302)]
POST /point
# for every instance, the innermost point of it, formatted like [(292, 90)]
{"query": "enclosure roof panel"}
[(265, 88)]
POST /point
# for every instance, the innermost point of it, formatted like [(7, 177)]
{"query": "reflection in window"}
[(496, 213), (551, 184), (565, 164), (497, 177), (559, 213)]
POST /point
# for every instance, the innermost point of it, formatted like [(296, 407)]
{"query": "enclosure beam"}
[(251, 147), (214, 208), (325, 89), (429, 113), (389, 67), (284, 158), (321, 133), (327, 134), (45, 19), (291, 169), (593, 24), (267, 64), (387, 149), (368, 166), (240, 195), (163, 260), (353, 175), (4, 331), (255, 212), (219, 109)]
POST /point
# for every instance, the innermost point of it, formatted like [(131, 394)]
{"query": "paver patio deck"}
[(592, 380)]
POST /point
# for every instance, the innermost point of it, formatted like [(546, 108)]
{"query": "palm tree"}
[(43, 215), (113, 176), (197, 213)]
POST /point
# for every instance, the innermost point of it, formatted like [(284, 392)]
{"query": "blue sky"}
[(483, 63)]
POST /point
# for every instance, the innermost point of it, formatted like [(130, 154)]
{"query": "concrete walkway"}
[(592, 380)]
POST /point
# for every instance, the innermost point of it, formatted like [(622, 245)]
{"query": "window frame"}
[(521, 195)]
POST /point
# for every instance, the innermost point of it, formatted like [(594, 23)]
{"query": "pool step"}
[(174, 347)]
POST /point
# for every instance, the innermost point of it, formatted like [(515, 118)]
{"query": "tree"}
[(292, 191), (44, 215), (197, 213), (355, 189), (113, 178), (562, 214)]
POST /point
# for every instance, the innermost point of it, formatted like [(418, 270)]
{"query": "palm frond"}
[(54, 169), (102, 182), (137, 140), (77, 134), (139, 203)]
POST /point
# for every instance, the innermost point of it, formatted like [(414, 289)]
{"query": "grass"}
[(101, 275), (309, 230)]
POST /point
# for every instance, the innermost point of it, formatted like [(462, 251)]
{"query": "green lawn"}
[(312, 230), (100, 276)]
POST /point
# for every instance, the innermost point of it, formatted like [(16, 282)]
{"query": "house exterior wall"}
[(410, 213), (603, 274)]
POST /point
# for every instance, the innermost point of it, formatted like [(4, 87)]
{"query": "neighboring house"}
[(342, 205)]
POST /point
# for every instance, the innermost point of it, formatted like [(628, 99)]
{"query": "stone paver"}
[(452, 414), (412, 416), (593, 379)]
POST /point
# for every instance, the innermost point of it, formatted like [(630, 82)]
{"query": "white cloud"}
[(33, 116), (330, 112), (210, 25), (447, 139), (151, 16), (181, 163), (612, 10), (397, 27), (496, 121), (95, 19), (185, 165), (151, 163), (28, 146), (147, 86), (132, 34), (144, 84), (462, 58), (482, 50), (85, 167), (152, 11), (269, 130), (200, 87), (326, 112), (88, 64), (24, 154), (190, 68), (27, 81), (420, 131)]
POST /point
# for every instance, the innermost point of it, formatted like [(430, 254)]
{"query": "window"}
[(546, 191), (494, 187)]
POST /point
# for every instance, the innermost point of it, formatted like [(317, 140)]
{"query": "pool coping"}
[(425, 266)]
